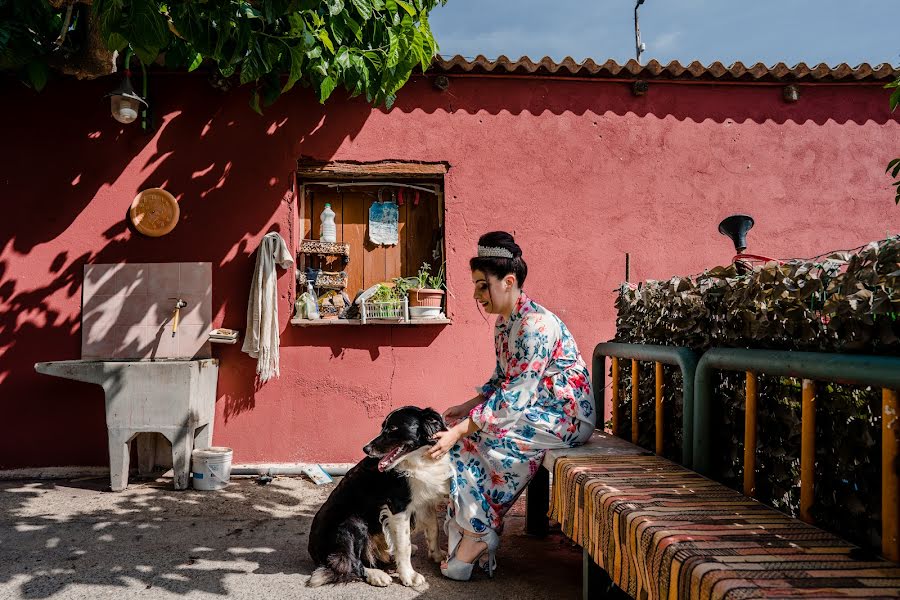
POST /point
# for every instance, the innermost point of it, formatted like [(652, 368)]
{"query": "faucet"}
[(179, 304)]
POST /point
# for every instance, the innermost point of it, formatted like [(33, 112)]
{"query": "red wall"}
[(582, 172)]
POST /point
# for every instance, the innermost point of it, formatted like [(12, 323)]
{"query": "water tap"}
[(179, 304)]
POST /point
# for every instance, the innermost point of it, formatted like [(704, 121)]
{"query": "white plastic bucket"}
[(211, 467)]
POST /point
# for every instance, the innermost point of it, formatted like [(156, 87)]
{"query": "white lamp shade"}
[(124, 109)]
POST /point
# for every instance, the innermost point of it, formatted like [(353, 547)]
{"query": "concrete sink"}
[(173, 397)]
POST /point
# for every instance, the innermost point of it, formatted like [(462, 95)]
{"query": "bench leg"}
[(537, 503), (595, 582)]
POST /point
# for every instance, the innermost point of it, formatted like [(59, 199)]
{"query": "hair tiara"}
[(490, 252)]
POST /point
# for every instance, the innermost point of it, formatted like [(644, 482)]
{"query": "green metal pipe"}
[(880, 371), (684, 358)]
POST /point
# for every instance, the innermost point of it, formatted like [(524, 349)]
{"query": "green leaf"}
[(38, 72), (342, 58), (338, 31), (323, 35), (354, 27), (116, 41), (364, 7), (335, 7), (895, 99), (108, 17), (297, 58), (254, 102), (271, 89), (147, 30), (250, 12), (195, 62), (406, 7), (894, 164), (327, 86), (393, 53), (255, 65)]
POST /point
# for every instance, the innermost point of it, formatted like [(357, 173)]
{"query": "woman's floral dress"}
[(539, 398)]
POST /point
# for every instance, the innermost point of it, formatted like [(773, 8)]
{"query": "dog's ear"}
[(432, 422)]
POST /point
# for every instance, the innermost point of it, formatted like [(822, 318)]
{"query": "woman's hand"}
[(455, 414), (445, 441)]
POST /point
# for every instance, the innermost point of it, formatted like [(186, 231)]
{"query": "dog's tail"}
[(345, 563)]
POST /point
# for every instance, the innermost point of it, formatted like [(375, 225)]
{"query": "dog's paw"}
[(377, 577), (412, 579), (437, 556)]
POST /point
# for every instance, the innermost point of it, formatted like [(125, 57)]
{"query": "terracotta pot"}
[(425, 297)]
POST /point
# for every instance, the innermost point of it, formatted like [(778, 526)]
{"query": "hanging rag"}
[(261, 340)]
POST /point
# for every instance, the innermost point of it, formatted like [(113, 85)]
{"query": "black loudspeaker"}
[(736, 227)]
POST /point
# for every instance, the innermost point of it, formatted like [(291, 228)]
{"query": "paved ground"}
[(72, 539)]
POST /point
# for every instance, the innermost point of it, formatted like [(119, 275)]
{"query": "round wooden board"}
[(154, 212)]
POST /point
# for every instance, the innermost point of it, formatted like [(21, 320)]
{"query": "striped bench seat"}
[(663, 532)]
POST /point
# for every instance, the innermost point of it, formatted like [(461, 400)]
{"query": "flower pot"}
[(425, 297)]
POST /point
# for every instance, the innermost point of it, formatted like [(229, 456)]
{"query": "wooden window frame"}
[(311, 174)]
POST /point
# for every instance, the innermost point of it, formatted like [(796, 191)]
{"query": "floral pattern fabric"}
[(538, 398)]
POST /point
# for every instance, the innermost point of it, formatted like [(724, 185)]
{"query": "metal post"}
[(659, 408), (615, 396), (635, 384), (638, 46), (808, 450), (750, 412), (890, 482), (537, 503)]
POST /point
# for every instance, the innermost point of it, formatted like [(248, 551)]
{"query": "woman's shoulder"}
[(535, 317)]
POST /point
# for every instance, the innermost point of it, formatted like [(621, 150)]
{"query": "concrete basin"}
[(173, 397)]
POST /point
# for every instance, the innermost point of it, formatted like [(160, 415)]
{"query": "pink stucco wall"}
[(581, 171)]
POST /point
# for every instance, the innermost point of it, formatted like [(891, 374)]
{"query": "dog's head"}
[(403, 431)]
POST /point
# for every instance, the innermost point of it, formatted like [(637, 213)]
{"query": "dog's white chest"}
[(429, 480)]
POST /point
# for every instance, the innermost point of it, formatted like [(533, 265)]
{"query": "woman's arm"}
[(448, 439), (532, 344)]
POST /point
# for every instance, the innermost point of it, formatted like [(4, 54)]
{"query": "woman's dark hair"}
[(500, 266)]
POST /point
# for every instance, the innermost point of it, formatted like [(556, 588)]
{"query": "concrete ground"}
[(72, 539)]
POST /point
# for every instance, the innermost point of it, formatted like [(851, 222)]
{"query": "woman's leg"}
[(489, 474)]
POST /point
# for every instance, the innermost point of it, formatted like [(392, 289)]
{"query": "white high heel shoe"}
[(462, 571)]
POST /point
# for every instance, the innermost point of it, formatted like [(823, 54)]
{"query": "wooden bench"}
[(660, 531)]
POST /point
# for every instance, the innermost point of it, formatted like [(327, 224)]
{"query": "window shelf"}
[(338, 322)]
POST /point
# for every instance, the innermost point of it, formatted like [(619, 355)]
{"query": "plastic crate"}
[(394, 310)]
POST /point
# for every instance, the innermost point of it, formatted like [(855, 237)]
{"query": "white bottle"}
[(329, 231), (313, 308)]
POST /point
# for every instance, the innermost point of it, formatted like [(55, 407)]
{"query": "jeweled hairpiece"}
[(489, 252)]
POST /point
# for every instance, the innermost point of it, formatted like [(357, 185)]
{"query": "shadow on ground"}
[(72, 539)]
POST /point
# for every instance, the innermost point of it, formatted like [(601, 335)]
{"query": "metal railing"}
[(880, 371), (684, 358)]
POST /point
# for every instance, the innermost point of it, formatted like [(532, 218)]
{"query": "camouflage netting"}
[(844, 302)]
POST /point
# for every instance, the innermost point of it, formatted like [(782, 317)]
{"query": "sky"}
[(750, 31)]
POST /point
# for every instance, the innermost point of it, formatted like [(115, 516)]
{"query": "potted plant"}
[(426, 291)]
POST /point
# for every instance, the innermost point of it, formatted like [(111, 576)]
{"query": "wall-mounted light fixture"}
[(125, 104)]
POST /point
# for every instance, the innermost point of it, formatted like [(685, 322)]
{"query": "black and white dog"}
[(369, 516)]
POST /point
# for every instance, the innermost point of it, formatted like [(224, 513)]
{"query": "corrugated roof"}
[(799, 73)]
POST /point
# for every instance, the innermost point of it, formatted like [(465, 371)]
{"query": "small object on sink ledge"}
[(223, 336)]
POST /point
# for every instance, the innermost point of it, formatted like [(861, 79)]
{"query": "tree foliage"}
[(370, 47), (894, 165)]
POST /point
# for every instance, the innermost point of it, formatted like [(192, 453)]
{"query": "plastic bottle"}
[(329, 230), (313, 307)]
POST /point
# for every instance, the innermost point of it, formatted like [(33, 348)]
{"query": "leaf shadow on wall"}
[(76, 169)]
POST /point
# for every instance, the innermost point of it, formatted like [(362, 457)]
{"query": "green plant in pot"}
[(427, 291)]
